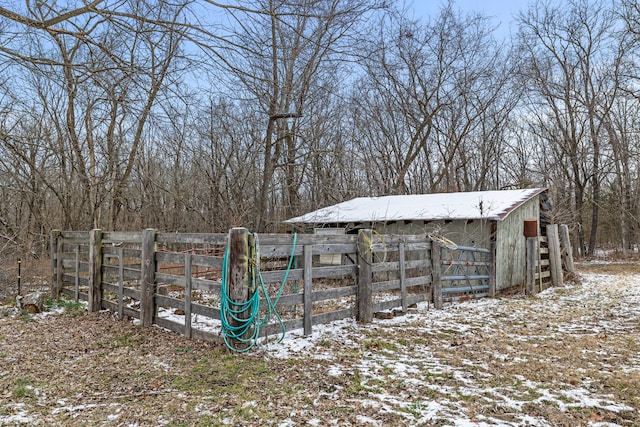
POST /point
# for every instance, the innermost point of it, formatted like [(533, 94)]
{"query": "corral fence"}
[(173, 280)]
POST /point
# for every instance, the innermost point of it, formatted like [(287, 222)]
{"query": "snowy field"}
[(569, 356)]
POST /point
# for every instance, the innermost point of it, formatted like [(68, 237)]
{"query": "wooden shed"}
[(467, 218)]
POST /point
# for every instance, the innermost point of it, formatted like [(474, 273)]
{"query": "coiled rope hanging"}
[(241, 321)]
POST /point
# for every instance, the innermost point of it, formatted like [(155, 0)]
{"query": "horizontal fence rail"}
[(173, 280)]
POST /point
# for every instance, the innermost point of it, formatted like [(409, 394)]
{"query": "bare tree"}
[(568, 53)]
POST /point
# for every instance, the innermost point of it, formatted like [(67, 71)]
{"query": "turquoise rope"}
[(248, 330)]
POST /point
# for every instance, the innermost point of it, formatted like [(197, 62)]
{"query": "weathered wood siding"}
[(511, 245)]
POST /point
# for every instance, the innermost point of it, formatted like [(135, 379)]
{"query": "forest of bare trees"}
[(198, 116)]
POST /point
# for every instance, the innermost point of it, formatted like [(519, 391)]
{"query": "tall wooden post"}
[(365, 294), (555, 258), (238, 278), (436, 273), (55, 248), (308, 289), (565, 247), (95, 270), (531, 264), (492, 268), (148, 277)]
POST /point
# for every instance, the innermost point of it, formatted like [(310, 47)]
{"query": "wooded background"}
[(199, 116)]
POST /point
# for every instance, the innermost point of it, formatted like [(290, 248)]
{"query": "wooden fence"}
[(173, 279)]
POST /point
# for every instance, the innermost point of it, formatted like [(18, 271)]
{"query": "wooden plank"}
[(544, 274), (178, 258), (95, 270), (334, 293), (56, 264), (308, 289), (128, 252), (128, 273), (531, 264), (566, 248), (126, 311), (435, 275), (334, 271), (69, 279), (215, 239), (395, 265), (123, 237), (197, 284), (267, 239), (403, 277), (492, 266), (364, 299), (126, 291), (423, 246), (555, 256), (187, 295), (148, 280), (120, 283), (205, 310), (69, 292), (76, 279), (397, 302)]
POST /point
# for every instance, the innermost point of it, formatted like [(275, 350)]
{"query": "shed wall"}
[(511, 245)]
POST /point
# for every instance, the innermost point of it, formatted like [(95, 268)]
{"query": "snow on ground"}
[(434, 380), (553, 359)]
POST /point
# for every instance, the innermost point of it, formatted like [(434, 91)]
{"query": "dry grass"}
[(93, 370)]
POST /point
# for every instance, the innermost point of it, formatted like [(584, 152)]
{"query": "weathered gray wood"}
[(308, 288), (364, 299), (76, 281), (95, 270), (216, 239), (83, 296), (187, 295), (403, 277), (148, 279), (567, 250), (196, 284), (555, 258), (531, 265), (122, 237), (436, 274), (55, 254), (390, 285), (126, 292), (120, 283), (333, 293), (395, 265), (238, 280), (202, 260), (68, 278), (318, 273)]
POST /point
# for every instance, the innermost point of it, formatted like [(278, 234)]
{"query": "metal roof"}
[(493, 205)]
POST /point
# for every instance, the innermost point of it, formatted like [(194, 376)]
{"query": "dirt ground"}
[(567, 357)]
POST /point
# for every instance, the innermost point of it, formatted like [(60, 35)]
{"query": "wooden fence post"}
[(55, 247), (148, 277), (565, 246), (492, 268), (436, 273), (188, 260), (531, 264), (555, 259), (308, 289), (403, 276), (95, 270), (238, 279), (364, 298)]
